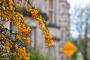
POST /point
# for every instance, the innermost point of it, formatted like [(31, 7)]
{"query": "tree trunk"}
[(86, 40)]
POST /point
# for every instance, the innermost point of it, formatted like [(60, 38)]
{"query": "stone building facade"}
[(58, 26)]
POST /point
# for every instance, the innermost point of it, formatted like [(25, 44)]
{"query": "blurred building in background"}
[(58, 26)]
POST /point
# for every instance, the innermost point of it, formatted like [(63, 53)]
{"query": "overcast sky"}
[(74, 3), (78, 2)]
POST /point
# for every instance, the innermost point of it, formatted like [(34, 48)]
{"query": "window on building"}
[(52, 52), (51, 4), (62, 35), (62, 16), (63, 5), (36, 4), (62, 10), (33, 37), (52, 12)]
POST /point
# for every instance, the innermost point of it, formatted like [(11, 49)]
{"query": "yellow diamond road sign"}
[(69, 49)]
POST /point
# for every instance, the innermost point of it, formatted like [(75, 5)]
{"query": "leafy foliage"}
[(36, 55)]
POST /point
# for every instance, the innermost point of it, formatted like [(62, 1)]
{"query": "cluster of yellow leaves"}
[(8, 43), (25, 38), (22, 53), (7, 14), (10, 4), (17, 19), (2, 36), (18, 36), (48, 38), (23, 29)]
